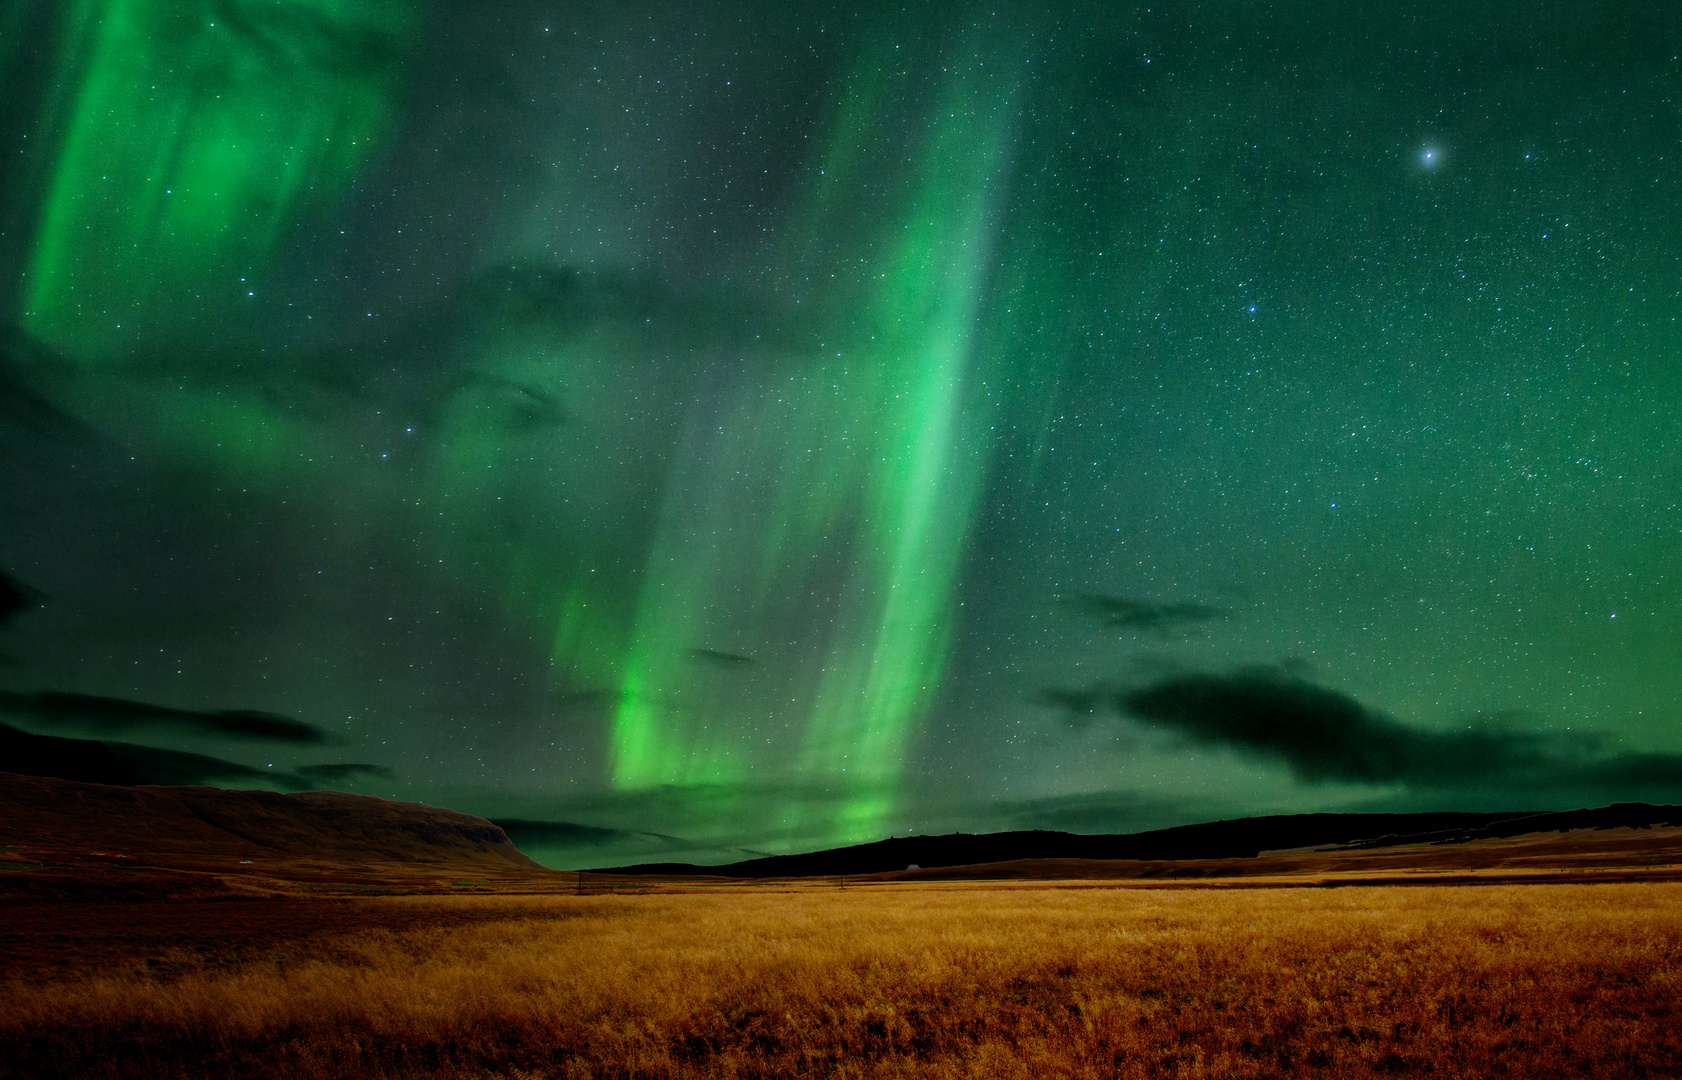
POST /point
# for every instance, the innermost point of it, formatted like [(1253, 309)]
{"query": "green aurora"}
[(736, 429)]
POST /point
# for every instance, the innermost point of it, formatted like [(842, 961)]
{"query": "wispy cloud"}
[(718, 659), (1137, 614), (129, 763), (348, 770), (155, 765), (111, 716)]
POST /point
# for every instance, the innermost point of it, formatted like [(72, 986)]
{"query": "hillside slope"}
[(65, 825)]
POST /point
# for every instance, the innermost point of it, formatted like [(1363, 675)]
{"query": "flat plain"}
[(893, 979)]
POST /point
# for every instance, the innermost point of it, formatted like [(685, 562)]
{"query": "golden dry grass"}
[(937, 981)]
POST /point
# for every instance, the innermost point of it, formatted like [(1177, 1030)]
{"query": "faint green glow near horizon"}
[(198, 134), (866, 487)]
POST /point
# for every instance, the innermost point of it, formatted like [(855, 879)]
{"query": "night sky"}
[(694, 430)]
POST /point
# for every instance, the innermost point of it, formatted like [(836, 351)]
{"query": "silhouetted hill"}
[(266, 830), (1616, 816), (1242, 838)]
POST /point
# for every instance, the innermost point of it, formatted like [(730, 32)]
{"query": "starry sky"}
[(695, 430)]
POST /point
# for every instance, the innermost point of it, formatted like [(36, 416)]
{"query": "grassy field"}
[(885, 981)]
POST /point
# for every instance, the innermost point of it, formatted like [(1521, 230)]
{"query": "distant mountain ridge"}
[(1236, 839), (212, 826)]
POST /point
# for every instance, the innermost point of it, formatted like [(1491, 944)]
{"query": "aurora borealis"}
[(734, 428)]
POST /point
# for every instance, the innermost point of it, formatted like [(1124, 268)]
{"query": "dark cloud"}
[(1323, 735), (89, 761), (155, 765), (81, 760), (15, 597), (1125, 611), (715, 658), (1326, 735), (343, 771), (105, 715)]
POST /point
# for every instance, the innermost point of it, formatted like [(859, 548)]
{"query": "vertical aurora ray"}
[(926, 470), (817, 518), (196, 135)]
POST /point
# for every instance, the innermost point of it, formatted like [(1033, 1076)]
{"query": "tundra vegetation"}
[(950, 980)]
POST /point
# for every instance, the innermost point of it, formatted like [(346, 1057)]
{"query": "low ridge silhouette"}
[(1242, 838)]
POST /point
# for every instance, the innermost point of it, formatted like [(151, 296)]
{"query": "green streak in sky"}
[(199, 133), (816, 523), (926, 473)]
